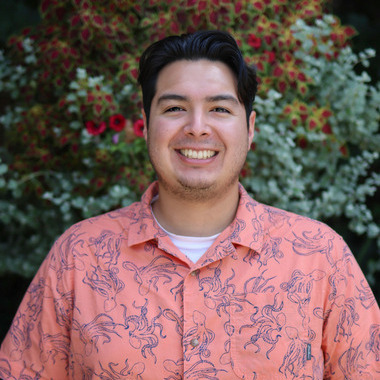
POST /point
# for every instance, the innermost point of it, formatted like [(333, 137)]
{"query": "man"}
[(198, 280)]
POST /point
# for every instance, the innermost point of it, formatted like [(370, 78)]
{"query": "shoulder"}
[(286, 223), (116, 221), (294, 223), (77, 241), (298, 236)]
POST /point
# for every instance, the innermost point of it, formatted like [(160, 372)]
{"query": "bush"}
[(72, 126)]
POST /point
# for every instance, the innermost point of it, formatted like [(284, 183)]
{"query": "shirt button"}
[(194, 342), (194, 272)]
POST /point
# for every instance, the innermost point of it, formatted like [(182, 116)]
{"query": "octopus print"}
[(267, 326)]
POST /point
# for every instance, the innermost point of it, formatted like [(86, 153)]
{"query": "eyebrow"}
[(222, 97), (210, 99), (165, 97)]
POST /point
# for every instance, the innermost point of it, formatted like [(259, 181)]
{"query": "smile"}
[(198, 154)]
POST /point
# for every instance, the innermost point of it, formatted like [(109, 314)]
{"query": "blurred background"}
[(363, 15)]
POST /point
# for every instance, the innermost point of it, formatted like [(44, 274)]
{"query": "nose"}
[(197, 125)]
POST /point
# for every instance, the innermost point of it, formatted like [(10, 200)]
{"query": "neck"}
[(195, 218)]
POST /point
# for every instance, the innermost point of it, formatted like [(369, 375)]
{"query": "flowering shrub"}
[(73, 130)]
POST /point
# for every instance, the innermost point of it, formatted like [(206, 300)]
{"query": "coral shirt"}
[(277, 296)]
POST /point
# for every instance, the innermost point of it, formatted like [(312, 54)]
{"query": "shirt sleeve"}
[(351, 333), (38, 341)]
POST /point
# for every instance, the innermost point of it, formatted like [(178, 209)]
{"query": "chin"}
[(203, 191)]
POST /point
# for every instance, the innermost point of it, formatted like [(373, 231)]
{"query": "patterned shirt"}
[(277, 296)]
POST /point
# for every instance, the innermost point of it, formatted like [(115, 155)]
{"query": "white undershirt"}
[(192, 246)]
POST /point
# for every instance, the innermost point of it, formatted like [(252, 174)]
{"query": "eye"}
[(174, 109), (220, 110)]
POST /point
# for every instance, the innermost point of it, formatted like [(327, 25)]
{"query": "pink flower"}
[(117, 122), (138, 128), (95, 129)]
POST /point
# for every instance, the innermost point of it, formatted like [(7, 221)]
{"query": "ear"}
[(145, 124), (251, 128)]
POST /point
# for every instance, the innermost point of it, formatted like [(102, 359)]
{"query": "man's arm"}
[(38, 341), (351, 332)]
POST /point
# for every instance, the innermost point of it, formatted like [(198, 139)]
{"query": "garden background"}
[(70, 125)]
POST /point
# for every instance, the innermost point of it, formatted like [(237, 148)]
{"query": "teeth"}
[(198, 154)]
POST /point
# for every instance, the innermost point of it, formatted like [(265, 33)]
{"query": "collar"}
[(246, 229)]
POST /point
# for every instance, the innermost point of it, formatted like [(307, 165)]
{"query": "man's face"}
[(198, 137)]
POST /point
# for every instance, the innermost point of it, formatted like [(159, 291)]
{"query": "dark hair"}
[(212, 45)]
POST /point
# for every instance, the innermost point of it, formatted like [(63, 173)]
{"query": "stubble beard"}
[(198, 192)]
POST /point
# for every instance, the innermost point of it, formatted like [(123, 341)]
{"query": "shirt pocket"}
[(271, 338)]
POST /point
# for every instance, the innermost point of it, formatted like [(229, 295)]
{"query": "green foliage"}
[(73, 144), (13, 15)]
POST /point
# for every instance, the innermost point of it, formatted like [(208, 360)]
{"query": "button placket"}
[(194, 273), (191, 302)]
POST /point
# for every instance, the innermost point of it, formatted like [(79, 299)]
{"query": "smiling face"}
[(197, 136)]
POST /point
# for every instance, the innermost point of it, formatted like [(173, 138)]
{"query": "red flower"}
[(303, 89), (343, 149), (270, 56), (45, 5), (287, 57), (98, 20), (244, 17), (86, 34), (202, 5), (174, 27), (302, 108), (196, 19), (54, 54), (138, 128), (238, 7), (132, 19), (302, 143), (213, 17), (349, 31), (117, 122), (90, 97), (259, 66), (134, 73), (75, 20), (258, 5), (282, 86), (95, 129), (326, 113), (268, 39), (301, 77), (312, 124), (327, 129), (254, 41), (278, 71)]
